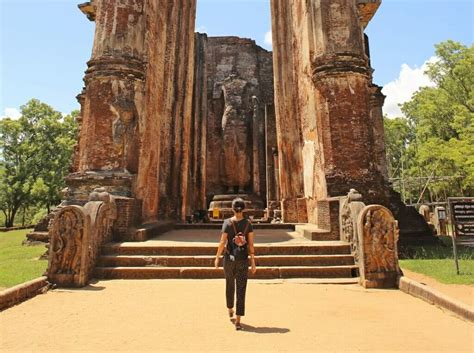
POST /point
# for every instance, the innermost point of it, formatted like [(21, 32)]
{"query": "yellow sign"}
[(216, 213)]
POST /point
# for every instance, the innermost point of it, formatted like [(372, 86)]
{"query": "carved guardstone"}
[(68, 247), (77, 234), (378, 237)]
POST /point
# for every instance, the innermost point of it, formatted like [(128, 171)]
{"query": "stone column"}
[(323, 94), (377, 100), (256, 146), (276, 174), (113, 94), (112, 101), (198, 178), (287, 122), (341, 76), (163, 174)]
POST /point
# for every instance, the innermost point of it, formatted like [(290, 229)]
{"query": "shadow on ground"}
[(263, 330), (91, 287)]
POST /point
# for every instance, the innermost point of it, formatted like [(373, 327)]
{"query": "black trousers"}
[(236, 275)]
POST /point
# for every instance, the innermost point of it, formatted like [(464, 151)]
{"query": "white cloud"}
[(401, 90), (268, 38), (201, 29), (12, 113)]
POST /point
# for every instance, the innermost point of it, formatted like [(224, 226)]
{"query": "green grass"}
[(438, 262), (19, 263), (443, 271)]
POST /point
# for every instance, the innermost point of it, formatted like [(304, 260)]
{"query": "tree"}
[(54, 139), (15, 177), (398, 136), (441, 122), (35, 152)]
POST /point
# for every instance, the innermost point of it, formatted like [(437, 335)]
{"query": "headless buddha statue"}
[(236, 168)]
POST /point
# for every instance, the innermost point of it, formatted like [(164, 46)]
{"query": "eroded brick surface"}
[(168, 107)]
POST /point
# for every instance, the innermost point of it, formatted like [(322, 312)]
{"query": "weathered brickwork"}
[(174, 123), (136, 104), (237, 79), (169, 116), (129, 210), (333, 103)]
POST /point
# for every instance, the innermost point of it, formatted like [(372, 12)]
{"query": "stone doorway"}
[(239, 123), (143, 135)]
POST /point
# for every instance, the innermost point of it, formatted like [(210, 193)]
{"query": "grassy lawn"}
[(438, 262), (19, 263)]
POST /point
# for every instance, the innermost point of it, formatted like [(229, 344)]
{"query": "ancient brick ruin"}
[(175, 124), (234, 79)]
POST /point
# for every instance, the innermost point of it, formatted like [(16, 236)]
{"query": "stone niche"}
[(234, 100)]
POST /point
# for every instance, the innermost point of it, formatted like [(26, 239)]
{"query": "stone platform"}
[(190, 254), (254, 206)]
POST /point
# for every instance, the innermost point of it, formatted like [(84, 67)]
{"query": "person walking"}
[(237, 239)]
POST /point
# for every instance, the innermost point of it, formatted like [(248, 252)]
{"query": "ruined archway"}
[(141, 90)]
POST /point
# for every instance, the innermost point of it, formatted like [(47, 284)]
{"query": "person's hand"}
[(216, 262), (253, 268)]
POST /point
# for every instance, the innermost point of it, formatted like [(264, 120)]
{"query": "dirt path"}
[(189, 315), (463, 293)]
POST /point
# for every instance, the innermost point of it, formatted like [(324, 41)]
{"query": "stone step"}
[(208, 261), (38, 236), (209, 272), (314, 233), (218, 225), (329, 248)]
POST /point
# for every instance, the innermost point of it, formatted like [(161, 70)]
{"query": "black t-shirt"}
[(243, 226)]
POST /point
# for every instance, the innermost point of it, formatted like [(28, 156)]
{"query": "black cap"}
[(238, 205)]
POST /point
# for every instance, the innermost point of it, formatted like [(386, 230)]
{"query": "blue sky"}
[(45, 44)]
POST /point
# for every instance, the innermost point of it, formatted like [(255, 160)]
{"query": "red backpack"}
[(237, 248)]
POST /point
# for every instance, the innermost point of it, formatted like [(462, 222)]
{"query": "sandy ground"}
[(463, 293), (190, 315)]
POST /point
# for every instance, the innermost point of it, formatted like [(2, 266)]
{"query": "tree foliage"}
[(436, 140), (35, 153)]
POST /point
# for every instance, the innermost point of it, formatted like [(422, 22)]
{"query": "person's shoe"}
[(238, 326)]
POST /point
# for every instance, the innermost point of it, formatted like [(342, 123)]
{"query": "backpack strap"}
[(246, 228), (235, 229)]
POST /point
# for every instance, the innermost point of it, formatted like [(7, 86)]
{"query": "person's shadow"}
[(250, 328)]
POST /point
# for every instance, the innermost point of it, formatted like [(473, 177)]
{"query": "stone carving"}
[(125, 131), (235, 129), (69, 234), (77, 233), (350, 207), (103, 211), (425, 212), (234, 91), (378, 237)]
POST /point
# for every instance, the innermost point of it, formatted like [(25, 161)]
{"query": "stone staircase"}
[(40, 233), (147, 260)]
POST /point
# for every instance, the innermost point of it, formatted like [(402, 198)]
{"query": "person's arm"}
[(252, 253), (220, 249)]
